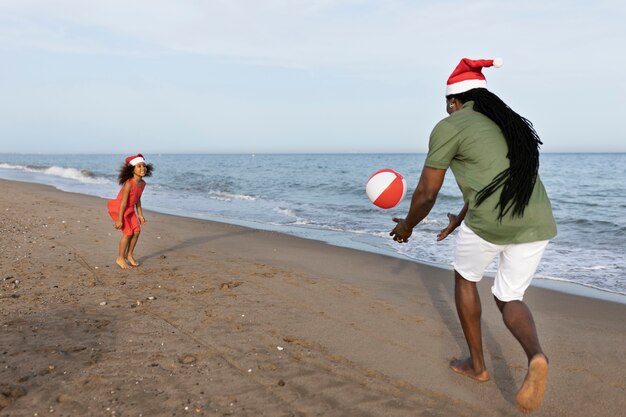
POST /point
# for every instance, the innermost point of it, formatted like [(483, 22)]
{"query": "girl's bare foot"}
[(530, 395), (122, 263), (464, 367), (132, 261)]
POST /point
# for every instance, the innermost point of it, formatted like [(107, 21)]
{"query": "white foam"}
[(579, 283), (11, 166), (74, 174), (591, 268), (61, 172), (224, 196), (285, 211)]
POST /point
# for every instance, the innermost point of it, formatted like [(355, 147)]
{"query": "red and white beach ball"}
[(386, 188)]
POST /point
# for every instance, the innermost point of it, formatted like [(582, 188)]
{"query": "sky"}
[(282, 76)]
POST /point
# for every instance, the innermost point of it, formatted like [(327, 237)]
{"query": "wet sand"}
[(224, 320)]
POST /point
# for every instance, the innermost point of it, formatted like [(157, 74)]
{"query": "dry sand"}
[(223, 320)]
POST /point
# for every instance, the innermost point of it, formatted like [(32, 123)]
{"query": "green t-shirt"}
[(473, 146)]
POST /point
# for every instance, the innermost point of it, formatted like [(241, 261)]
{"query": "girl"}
[(122, 209)]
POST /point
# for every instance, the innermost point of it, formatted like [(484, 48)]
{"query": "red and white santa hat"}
[(468, 75), (135, 159)]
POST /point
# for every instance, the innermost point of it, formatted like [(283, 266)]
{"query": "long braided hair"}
[(517, 181)]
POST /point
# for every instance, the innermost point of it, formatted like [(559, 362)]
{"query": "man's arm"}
[(422, 202)]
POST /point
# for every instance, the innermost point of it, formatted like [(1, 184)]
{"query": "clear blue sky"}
[(151, 76)]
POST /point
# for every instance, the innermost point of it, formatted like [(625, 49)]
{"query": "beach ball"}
[(386, 188)]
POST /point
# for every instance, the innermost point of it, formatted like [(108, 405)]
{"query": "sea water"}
[(322, 197)]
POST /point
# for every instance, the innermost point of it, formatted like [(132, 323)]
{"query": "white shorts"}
[(517, 266)]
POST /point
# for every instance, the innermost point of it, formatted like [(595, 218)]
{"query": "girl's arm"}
[(119, 223), (140, 212)]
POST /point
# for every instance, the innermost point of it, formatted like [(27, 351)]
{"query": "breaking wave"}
[(81, 175)]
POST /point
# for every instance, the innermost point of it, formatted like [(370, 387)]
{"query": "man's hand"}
[(453, 222), (402, 231)]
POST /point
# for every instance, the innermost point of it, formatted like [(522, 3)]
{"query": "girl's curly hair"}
[(126, 172)]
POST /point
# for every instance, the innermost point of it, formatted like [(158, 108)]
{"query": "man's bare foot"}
[(132, 261), (530, 395), (464, 367), (122, 263)]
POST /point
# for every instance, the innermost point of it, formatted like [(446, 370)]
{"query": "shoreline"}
[(551, 283), (226, 320), (341, 239)]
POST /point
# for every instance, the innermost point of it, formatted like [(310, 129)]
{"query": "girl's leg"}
[(124, 241), (131, 249)]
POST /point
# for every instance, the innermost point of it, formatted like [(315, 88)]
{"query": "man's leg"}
[(518, 264), (469, 310), (519, 320)]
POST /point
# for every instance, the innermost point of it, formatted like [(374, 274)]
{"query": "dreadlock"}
[(517, 181)]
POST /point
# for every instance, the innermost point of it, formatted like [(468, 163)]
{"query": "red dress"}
[(130, 222)]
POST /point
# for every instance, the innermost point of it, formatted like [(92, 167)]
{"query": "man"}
[(494, 155)]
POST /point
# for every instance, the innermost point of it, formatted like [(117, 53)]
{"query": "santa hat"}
[(468, 75), (135, 159)]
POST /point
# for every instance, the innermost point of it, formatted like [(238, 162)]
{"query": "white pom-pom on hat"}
[(498, 62)]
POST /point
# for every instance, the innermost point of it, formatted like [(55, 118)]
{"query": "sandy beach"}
[(223, 320)]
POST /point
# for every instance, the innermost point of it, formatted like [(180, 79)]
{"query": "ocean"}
[(322, 197)]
